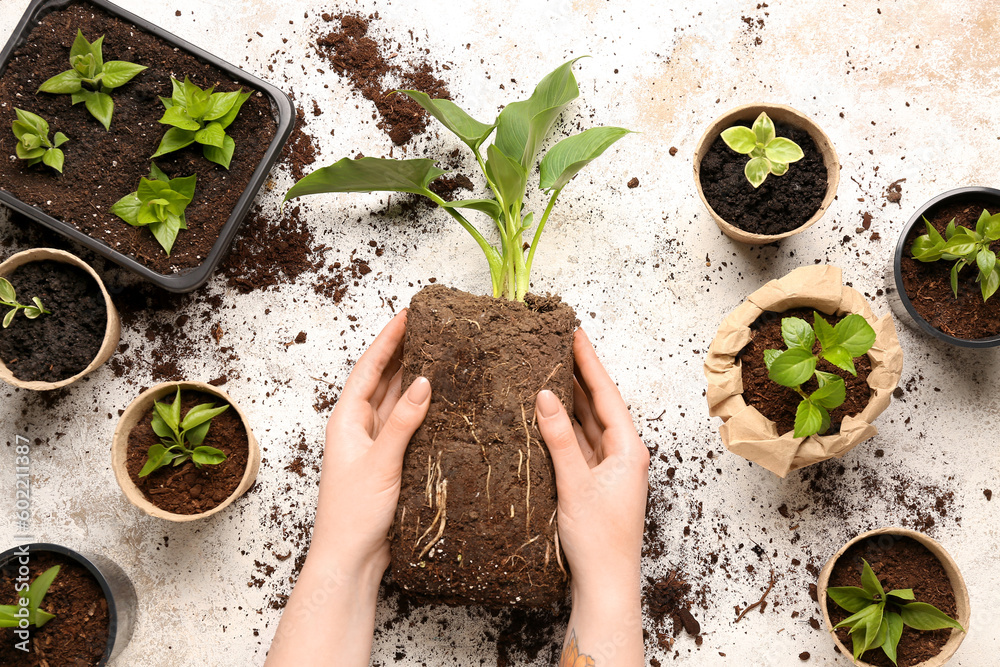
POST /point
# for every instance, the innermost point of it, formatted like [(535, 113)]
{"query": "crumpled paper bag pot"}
[(745, 431)]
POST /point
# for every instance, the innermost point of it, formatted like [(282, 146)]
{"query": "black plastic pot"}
[(281, 107), (115, 584), (895, 291)]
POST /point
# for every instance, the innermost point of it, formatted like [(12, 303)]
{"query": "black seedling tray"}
[(281, 107)]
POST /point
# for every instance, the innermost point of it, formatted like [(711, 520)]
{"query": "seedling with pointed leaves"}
[(28, 603), (878, 616), (200, 116), (840, 345), (181, 439), (90, 79), (768, 153), (8, 299), (33, 145), (965, 247), (158, 204), (521, 128)]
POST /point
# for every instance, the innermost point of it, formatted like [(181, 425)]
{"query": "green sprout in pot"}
[(878, 617), (840, 345), (90, 79), (180, 439), (8, 299), (200, 116), (768, 154), (965, 247), (521, 128), (159, 203), (33, 144), (29, 599)]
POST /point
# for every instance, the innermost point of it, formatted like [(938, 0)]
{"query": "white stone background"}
[(905, 89)]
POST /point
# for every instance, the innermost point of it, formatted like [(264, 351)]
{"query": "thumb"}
[(405, 418), (560, 438)]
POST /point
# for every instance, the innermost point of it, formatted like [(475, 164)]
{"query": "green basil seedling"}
[(840, 345), (8, 299), (181, 438), (29, 601), (965, 247), (768, 154), (90, 79), (200, 116), (878, 617), (521, 128), (159, 203), (33, 145)]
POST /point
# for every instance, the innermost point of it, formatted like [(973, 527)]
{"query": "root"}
[(435, 480), (489, 473), (548, 551), (527, 494), (463, 319), (510, 559), (546, 381), (520, 463), (759, 602)]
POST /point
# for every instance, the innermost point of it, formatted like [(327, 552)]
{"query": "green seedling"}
[(8, 299), (878, 617), (28, 602), (200, 116), (840, 345), (521, 128), (90, 79), (159, 204), (180, 439), (768, 154), (965, 247), (33, 145)]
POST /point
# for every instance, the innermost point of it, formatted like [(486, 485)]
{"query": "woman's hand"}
[(602, 470), (330, 616)]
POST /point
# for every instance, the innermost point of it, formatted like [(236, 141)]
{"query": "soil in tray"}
[(904, 564), (187, 489), (103, 166), (781, 203), (779, 403), (78, 635), (928, 284), (54, 347), (475, 521)]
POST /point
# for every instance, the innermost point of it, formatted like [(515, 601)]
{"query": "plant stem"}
[(523, 289), (492, 256)]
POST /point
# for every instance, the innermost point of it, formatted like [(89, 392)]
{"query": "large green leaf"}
[(177, 116), (200, 414), (922, 616), (80, 47), (40, 586), (174, 139), (508, 175), (212, 134), (54, 158), (369, 174), (208, 455), (740, 139), (230, 116), (569, 156), (894, 630), (101, 107), (63, 83), (809, 419), (850, 598), (220, 155), (832, 391), (488, 206), (522, 126), (854, 334), (870, 582), (796, 332), (119, 72), (157, 456), (464, 126), (219, 104), (7, 293), (792, 367)]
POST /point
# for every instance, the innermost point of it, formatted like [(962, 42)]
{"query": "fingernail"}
[(548, 404), (418, 391)]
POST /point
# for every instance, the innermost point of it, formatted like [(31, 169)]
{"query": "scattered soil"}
[(60, 345), (78, 635), (374, 73), (779, 403), (903, 563), (668, 602), (187, 489), (103, 166), (633, 182), (781, 203), (928, 284), (475, 522)]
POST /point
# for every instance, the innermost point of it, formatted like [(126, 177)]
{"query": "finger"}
[(560, 438), (584, 410), (405, 418), (388, 375), (589, 453), (607, 400), (364, 379), (392, 395)]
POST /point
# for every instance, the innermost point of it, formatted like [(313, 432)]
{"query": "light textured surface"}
[(904, 89)]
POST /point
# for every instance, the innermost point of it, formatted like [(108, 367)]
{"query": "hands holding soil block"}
[(75, 330)]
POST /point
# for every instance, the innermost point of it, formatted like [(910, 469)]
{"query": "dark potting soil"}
[(475, 521), (779, 403), (103, 166), (781, 203), (928, 284), (54, 347), (187, 489), (78, 635), (901, 563)]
